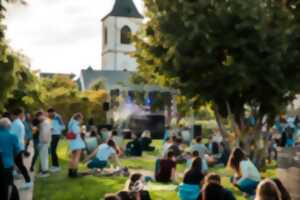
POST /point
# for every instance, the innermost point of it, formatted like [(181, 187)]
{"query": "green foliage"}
[(8, 72), (27, 92), (62, 93), (9, 61), (230, 53)]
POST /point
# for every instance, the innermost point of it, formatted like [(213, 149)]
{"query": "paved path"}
[(26, 194)]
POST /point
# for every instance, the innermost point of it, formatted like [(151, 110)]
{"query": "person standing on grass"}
[(76, 144), (28, 133), (18, 129), (247, 175), (57, 127), (35, 139), (9, 150), (44, 141)]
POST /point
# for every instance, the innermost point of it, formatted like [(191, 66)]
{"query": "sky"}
[(61, 36)]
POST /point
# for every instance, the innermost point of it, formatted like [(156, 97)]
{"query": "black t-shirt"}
[(223, 195), (175, 149), (165, 170), (35, 122), (193, 177)]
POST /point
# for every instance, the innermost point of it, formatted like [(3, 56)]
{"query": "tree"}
[(8, 61), (232, 54), (62, 93), (27, 91)]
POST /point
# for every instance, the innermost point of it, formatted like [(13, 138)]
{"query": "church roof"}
[(124, 8), (114, 80), (111, 79)]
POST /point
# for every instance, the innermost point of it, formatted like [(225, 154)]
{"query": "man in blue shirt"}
[(57, 127), (18, 129), (9, 149)]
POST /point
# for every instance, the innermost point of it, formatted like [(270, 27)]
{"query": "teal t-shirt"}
[(9, 148)]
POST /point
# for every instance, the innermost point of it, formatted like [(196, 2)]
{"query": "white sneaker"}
[(26, 186), (55, 169), (43, 175)]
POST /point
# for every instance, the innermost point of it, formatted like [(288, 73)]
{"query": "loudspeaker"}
[(154, 123), (197, 131), (107, 126), (105, 106)]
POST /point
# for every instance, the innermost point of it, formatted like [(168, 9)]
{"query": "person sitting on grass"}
[(102, 154), (221, 156), (111, 197), (200, 148), (176, 149), (285, 195), (124, 195), (136, 187), (104, 135), (166, 145), (193, 157), (212, 191), (118, 139), (146, 141), (246, 176), (267, 190), (134, 147), (165, 169), (92, 142), (213, 178), (192, 181)]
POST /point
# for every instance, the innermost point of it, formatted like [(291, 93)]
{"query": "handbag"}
[(70, 136)]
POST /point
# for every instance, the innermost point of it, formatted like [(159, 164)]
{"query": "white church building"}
[(117, 64)]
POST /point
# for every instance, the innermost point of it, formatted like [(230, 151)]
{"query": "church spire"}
[(124, 8)]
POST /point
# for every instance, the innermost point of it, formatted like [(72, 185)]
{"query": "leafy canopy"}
[(232, 53)]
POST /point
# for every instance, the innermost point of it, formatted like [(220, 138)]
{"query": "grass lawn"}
[(59, 187)]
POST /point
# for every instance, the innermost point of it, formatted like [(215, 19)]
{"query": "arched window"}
[(105, 36), (125, 35)]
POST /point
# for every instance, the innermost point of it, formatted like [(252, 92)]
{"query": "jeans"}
[(53, 147), (35, 153), (248, 186), (97, 164), (44, 154), (20, 164)]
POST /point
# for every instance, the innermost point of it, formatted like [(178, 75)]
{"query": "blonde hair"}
[(267, 190)]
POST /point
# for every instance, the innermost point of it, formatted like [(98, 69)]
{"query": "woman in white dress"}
[(76, 145)]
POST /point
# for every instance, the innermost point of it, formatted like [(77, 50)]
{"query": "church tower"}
[(117, 27)]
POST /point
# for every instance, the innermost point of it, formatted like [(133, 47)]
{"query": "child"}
[(136, 187)]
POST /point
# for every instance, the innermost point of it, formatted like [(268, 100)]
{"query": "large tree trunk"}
[(219, 121), (249, 138)]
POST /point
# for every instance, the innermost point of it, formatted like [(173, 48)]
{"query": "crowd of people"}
[(101, 149)]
